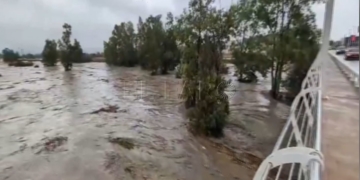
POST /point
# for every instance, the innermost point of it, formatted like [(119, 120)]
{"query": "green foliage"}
[(272, 35), (153, 47), (209, 116), (120, 50), (250, 63), (110, 51), (70, 53), (291, 25), (9, 55), (66, 55), (77, 53), (202, 31), (303, 58), (49, 53)]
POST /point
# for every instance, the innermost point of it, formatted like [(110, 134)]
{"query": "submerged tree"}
[(283, 23), (10, 55), (69, 52), (120, 49), (110, 53), (204, 32), (151, 50), (66, 55), (77, 52), (49, 53), (172, 54), (153, 47), (247, 49), (271, 36)]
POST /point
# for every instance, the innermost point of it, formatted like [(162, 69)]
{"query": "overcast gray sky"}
[(25, 24)]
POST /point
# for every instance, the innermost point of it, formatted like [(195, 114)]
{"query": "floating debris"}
[(124, 142), (52, 144), (21, 63), (55, 142), (109, 109)]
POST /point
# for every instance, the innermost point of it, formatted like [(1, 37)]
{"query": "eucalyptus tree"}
[(203, 31), (248, 49), (172, 54), (110, 48), (65, 47), (77, 52), (282, 22)]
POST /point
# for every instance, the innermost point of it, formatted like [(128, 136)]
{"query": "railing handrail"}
[(303, 142), (305, 110)]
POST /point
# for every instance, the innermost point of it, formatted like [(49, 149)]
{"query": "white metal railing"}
[(345, 68), (297, 152)]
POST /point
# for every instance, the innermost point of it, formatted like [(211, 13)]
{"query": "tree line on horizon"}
[(63, 50), (40, 56), (154, 46), (272, 38)]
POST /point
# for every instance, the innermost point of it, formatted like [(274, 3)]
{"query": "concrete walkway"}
[(340, 126)]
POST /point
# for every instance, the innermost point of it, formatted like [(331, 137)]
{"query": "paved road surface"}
[(354, 65), (340, 125)]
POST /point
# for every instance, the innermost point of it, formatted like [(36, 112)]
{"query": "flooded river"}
[(111, 123)]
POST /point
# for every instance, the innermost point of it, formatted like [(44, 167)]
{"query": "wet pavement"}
[(352, 64), (340, 125), (99, 122)]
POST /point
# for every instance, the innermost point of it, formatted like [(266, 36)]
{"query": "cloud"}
[(29, 23), (345, 17), (26, 24)]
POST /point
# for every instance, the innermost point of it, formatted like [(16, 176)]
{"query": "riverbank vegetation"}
[(50, 53), (266, 38), (12, 58), (153, 47), (69, 52), (65, 50), (272, 38), (275, 38), (9, 55)]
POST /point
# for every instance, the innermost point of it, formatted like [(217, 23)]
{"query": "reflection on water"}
[(38, 104)]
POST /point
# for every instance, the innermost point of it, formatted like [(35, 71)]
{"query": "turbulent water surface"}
[(109, 123)]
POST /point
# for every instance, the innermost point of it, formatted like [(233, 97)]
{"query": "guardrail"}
[(297, 152), (350, 73)]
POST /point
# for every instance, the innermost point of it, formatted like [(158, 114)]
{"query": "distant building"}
[(351, 41)]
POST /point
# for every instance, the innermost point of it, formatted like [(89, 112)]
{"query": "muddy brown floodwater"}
[(110, 123)]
